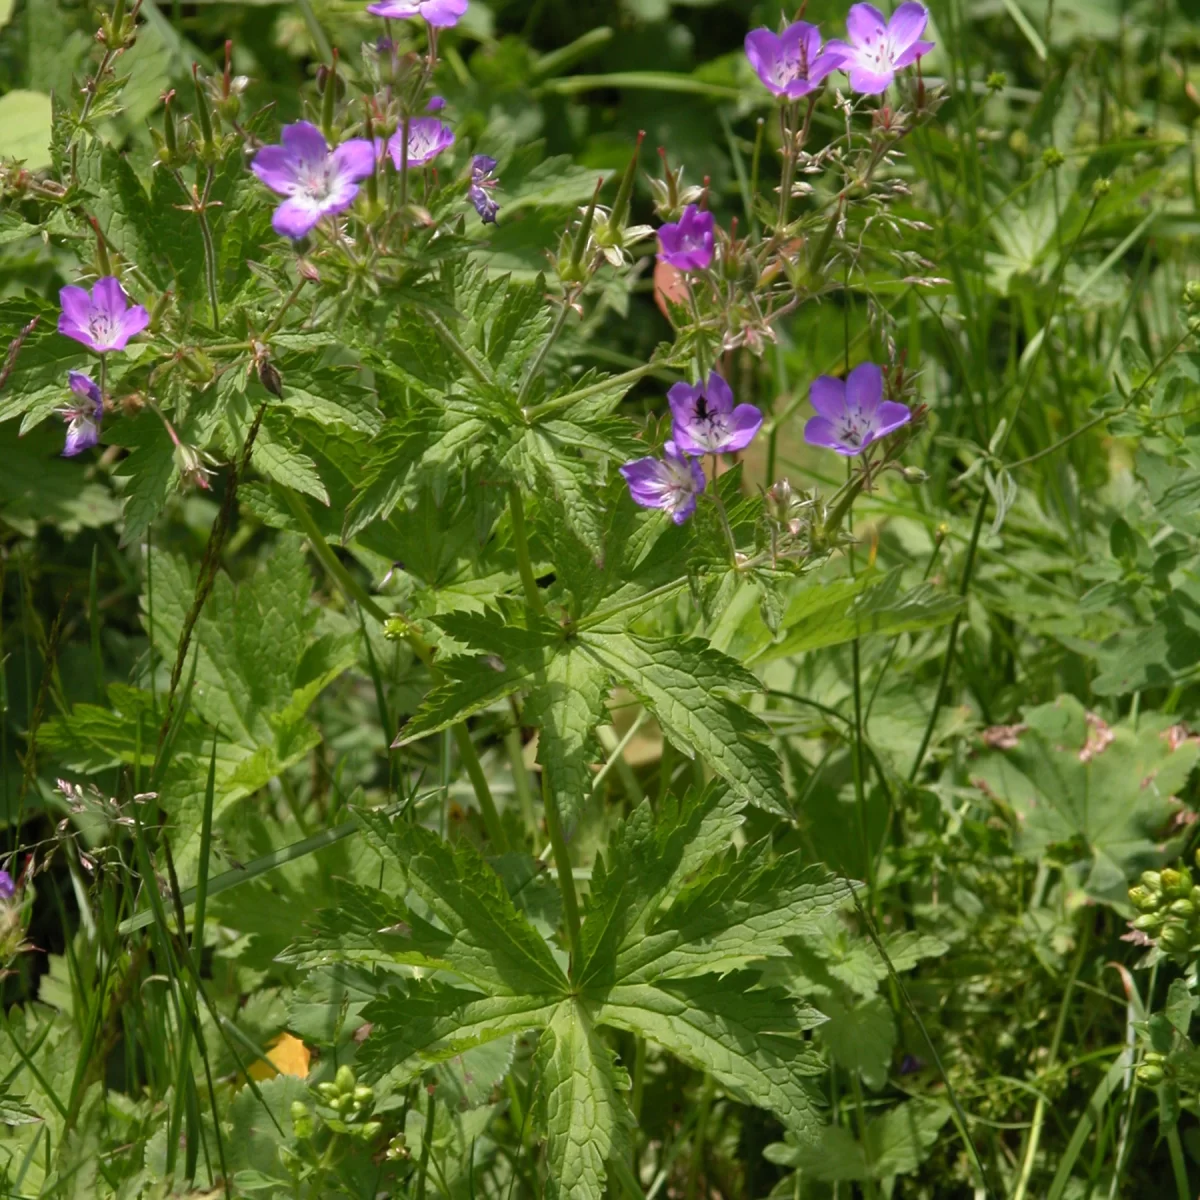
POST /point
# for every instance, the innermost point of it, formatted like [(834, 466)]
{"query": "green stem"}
[(566, 881), (721, 513), (355, 590), (1039, 1111), (516, 508), (426, 1144), (539, 360), (593, 389)]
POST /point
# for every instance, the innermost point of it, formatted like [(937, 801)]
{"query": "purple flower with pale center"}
[(84, 416), (687, 244), (102, 319), (317, 181), (427, 138), (482, 181), (671, 483), (791, 63), (879, 48), (8, 889), (853, 414), (440, 13), (706, 421)]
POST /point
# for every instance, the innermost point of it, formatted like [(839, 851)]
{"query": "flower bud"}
[(1153, 1056), (328, 1091), (190, 462), (370, 1130), (913, 475), (1182, 908), (1101, 187), (1150, 1074), (1174, 937), (397, 1148), (1052, 158), (779, 499), (1149, 922), (1152, 881), (997, 81), (269, 377), (344, 1079), (364, 1096), (1191, 297), (1176, 883), (1143, 899), (302, 1122), (574, 271)]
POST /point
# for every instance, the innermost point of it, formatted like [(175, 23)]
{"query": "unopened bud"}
[(779, 499), (370, 1130), (1191, 297), (1053, 158), (1151, 1074), (1101, 187), (363, 1096), (344, 1079), (997, 81), (1152, 880), (192, 471), (913, 475), (269, 377)]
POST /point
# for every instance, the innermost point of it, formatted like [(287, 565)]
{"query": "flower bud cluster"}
[(1168, 902), (350, 1101)]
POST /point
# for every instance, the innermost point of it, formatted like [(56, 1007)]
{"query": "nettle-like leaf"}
[(254, 669), (680, 680), (675, 933), (1095, 796)]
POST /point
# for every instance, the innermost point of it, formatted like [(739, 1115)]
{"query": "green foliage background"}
[(935, 710)]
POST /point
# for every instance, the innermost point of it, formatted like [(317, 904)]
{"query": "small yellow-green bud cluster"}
[(352, 1101), (1168, 904)]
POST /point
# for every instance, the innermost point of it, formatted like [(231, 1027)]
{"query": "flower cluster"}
[(705, 421), (794, 63), (103, 320)]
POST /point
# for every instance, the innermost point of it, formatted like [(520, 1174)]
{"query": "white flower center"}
[(315, 179), (101, 326), (680, 485)]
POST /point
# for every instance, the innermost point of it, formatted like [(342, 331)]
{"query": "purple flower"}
[(84, 416), (442, 13), (315, 180), (791, 63), (687, 244), (103, 319), (8, 889), (853, 414), (427, 138), (671, 483), (706, 421), (879, 48), (436, 104), (482, 181)]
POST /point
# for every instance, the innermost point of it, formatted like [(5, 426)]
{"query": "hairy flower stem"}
[(209, 564), (566, 881), (722, 514), (353, 589), (516, 508), (199, 205)]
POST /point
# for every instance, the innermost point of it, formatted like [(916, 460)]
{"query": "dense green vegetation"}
[(394, 807)]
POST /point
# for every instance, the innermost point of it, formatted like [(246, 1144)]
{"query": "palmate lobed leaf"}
[(1104, 800), (671, 922)]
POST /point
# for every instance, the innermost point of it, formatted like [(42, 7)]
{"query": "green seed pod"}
[(370, 1130), (344, 1103), (620, 208), (1153, 1056), (364, 1096), (573, 271), (1150, 1074), (344, 1079), (1152, 881), (1182, 908), (202, 113), (1149, 922)]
